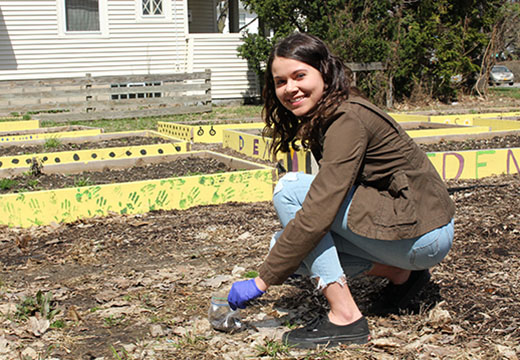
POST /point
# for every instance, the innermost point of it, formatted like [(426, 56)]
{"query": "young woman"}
[(377, 205)]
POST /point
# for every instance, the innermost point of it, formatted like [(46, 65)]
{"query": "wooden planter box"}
[(250, 183), (20, 163), (205, 132)]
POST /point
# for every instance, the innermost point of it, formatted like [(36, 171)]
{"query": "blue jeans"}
[(342, 252)]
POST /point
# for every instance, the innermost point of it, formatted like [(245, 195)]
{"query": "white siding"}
[(231, 77), (32, 47)]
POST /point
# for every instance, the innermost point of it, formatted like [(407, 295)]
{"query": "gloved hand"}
[(243, 291)]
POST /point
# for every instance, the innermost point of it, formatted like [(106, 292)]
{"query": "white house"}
[(70, 38)]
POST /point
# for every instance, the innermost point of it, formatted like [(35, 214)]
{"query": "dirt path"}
[(138, 287)]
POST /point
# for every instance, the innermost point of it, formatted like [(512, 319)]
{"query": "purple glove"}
[(243, 291)]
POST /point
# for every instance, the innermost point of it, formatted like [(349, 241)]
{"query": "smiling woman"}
[(377, 206), (299, 86)]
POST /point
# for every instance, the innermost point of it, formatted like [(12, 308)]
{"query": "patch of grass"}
[(119, 355), (218, 113), (42, 303), (58, 324), (33, 183), (6, 183), (273, 349), (511, 92), (290, 325), (190, 340), (81, 181), (111, 320), (51, 143), (251, 274)]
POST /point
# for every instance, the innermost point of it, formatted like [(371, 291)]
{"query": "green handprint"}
[(227, 194), (148, 188), (173, 183), (101, 201), (35, 205), (134, 198), (66, 208), (9, 208), (161, 198), (251, 192), (190, 199), (206, 180)]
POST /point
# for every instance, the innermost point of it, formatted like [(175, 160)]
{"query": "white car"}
[(500, 74)]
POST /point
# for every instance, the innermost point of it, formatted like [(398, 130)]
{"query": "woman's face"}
[(298, 85)]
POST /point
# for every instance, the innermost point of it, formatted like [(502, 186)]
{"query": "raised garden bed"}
[(21, 156), (129, 193), (475, 156)]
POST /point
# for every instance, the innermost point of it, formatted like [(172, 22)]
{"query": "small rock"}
[(201, 325), (156, 330), (4, 345), (129, 348), (29, 353), (237, 270)]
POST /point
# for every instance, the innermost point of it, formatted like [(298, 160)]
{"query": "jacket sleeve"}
[(344, 146)]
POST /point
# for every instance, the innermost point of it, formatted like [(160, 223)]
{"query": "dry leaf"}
[(38, 326)]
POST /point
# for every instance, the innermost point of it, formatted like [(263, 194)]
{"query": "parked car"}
[(500, 74)]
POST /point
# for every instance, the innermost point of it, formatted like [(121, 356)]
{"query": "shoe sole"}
[(346, 340)]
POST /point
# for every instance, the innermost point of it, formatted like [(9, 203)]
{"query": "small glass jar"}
[(221, 316)]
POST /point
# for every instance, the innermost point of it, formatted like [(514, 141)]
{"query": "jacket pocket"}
[(397, 205)]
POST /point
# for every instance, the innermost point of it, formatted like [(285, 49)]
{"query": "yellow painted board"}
[(468, 119), (409, 117), (43, 136), (64, 157), (497, 125), (257, 147), (448, 131), (468, 164), (202, 133), (476, 164), (19, 125), (497, 115), (67, 205)]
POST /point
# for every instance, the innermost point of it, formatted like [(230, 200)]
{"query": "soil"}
[(35, 180), (138, 286), (11, 150)]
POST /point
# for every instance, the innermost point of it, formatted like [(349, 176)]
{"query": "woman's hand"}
[(243, 291)]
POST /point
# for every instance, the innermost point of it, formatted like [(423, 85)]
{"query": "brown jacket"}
[(399, 196)]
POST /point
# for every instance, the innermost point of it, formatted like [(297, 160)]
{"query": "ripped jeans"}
[(342, 252)]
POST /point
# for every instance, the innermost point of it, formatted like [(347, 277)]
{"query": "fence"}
[(107, 97)]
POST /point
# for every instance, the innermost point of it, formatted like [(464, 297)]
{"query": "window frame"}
[(165, 17), (103, 22)]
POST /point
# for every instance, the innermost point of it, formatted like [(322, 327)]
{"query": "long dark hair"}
[(281, 124)]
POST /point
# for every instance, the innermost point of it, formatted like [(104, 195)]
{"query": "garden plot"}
[(204, 131), (466, 163), (240, 181), (16, 136), (20, 156)]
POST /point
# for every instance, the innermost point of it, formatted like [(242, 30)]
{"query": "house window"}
[(152, 7), (82, 15)]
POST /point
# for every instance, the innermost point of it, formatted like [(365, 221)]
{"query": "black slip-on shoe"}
[(398, 297), (321, 331)]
